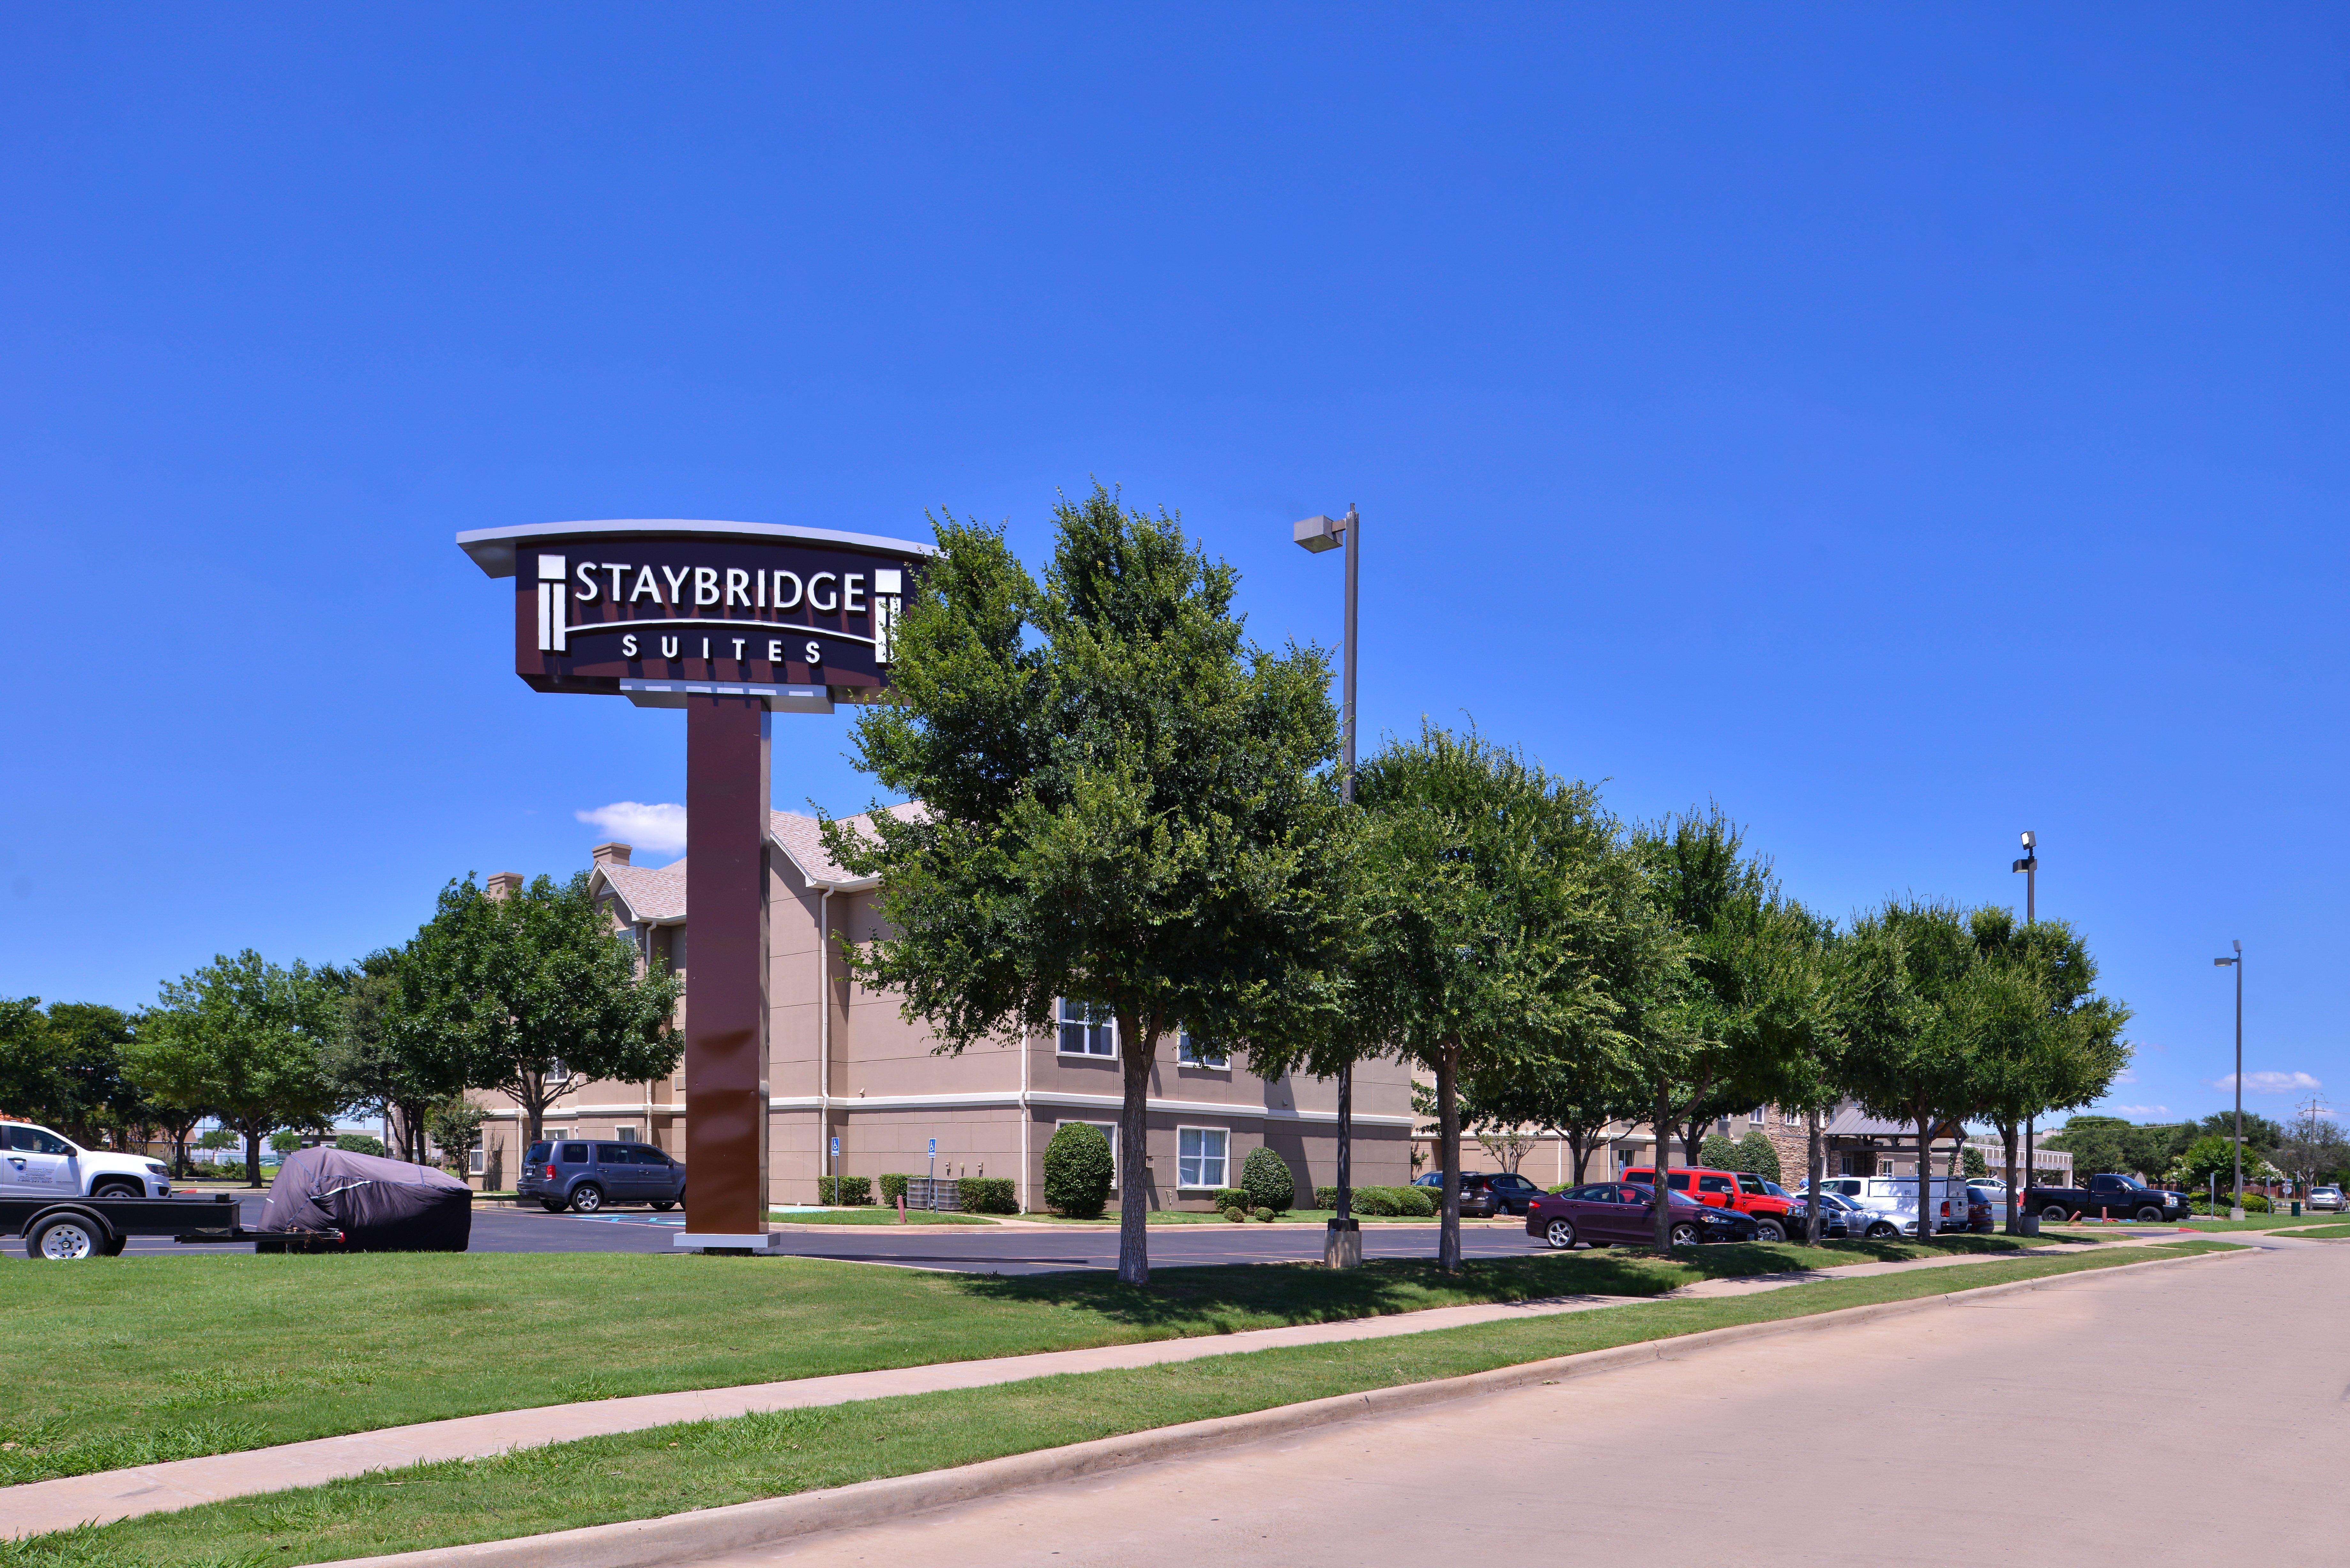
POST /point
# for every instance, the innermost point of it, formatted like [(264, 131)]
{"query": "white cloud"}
[(660, 828), (2137, 1110), (2124, 1076), (2269, 1082)]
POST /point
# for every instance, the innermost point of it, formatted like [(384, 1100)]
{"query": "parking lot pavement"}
[(2173, 1392), (966, 1249)]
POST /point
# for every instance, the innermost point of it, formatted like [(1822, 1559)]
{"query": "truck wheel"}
[(65, 1239), (2150, 1215), (1769, 1230), (587, 1197), (663, 1205), (553, 1205), (2055, 1211), (116, 1190)]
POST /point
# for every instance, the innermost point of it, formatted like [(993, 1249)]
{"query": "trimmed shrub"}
[(1267, 1180), (1757, 1156), (2254, 1204), (1228, 1198), (1418, 1202), (1717, 1153), (1077, 1171), (359, 1143), (844, 1191), (1235, 1213), (1263, 1214), (1326, 1198), (894, 1187), (1375, 1201), (988, 1195)]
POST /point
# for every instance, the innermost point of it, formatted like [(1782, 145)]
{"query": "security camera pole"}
[(2237, 962), (1343, 1248)]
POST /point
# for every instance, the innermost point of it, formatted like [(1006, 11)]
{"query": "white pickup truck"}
[(37, 1163)]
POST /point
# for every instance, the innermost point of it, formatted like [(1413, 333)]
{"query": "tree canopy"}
[(1124, 804)]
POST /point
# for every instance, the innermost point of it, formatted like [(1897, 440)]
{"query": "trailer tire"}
[(66, 1238), (114, 1249)]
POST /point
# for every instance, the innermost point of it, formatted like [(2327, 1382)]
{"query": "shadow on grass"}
[(1221, 1298)]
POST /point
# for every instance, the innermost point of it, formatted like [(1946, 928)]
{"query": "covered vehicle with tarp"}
[(333, 1199)]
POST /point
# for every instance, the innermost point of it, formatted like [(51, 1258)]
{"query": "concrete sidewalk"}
[(71, 1501)]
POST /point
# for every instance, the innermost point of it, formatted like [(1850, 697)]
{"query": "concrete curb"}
[(681, 1537)]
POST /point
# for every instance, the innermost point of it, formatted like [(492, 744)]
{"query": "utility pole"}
[(2237, 964)]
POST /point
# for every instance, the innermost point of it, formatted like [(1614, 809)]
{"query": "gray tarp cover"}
[(380, 1205)]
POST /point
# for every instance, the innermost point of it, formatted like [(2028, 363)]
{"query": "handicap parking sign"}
[(934, 1149), (836, 1143)]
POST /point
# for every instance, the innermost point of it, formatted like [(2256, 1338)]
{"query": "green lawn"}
[(135, 1360), (707, 1464)]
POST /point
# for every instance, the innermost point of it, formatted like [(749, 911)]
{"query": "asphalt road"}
[(974, 1249), (2165, 1416)]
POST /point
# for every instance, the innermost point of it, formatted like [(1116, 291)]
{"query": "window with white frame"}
[(625, 1135), (557, 1073), (1188, 1054), (1200, 1156), (1755, 1116), (1109, 1135), (1087, 1029), (477, 1157), (1788, 1116)]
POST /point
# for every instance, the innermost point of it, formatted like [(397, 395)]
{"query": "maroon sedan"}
[(1619, 1214)]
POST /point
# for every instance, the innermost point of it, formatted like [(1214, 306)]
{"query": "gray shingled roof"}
[(656, 893)]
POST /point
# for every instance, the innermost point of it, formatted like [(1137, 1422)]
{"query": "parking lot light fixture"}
[(2237, 964), (1315, 535)]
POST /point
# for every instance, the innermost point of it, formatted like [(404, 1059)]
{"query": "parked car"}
[(2325, 1197), (1983, 1206), (37, 1163), (1486, 1195), (1739, 1189), (1617, 1213), (584, 1177), (1840, 1217), (2107, 1196)]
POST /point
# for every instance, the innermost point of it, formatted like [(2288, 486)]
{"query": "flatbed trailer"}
[(63, 1229)]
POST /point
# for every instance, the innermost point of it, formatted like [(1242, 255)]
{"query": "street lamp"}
[(1342, 1247), (2237, 962), (2030, 866)]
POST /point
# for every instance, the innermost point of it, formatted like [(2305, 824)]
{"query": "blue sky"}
[(1903, 426)]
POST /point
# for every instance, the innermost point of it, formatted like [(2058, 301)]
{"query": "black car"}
[(1484, 1194), (580, 1175)]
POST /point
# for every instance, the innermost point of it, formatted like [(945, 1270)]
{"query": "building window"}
[(1109, 1135), (1188, 1054), (557, 1073), (476, 1156), (1790, 1118), (1755, 1116), (625, 1135), (1087, 1029), (1200, 1155)]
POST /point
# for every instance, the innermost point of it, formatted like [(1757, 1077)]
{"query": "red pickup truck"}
[(1737, 1189)]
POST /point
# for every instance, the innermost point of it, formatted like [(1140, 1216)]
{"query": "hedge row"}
[(988, 1195), (844, 1190), (1385, 1202), (894, 1187)]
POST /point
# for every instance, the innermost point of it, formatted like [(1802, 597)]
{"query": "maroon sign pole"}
[(732, 622), (727, 804)]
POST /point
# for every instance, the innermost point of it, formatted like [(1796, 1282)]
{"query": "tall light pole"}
[(2237, 962), (2030, 866), (1343, 1247)]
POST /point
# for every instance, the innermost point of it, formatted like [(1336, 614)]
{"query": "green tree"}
[(2261, 1136), (27, 1073), (285, 1142), (1756, 1155), (245, 1039), (1078, 1170), (535, 994), (1124, 805), (1974, 1163), (359, 1143), (2313, 1147), (1488, 879), (392, 1059), (1749, 1021), (455, 1124)]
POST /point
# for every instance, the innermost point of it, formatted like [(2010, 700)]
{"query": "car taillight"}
[(550, 1173)]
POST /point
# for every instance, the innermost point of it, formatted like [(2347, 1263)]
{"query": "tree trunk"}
[(2015, 1194), (1578, 1142), (1925, 1173), (1661, 1207), (251, 1156), (1448, 1122), (1816, 1168), (1134, 1153)]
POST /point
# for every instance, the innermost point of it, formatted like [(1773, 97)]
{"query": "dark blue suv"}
[(583, 1176)]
